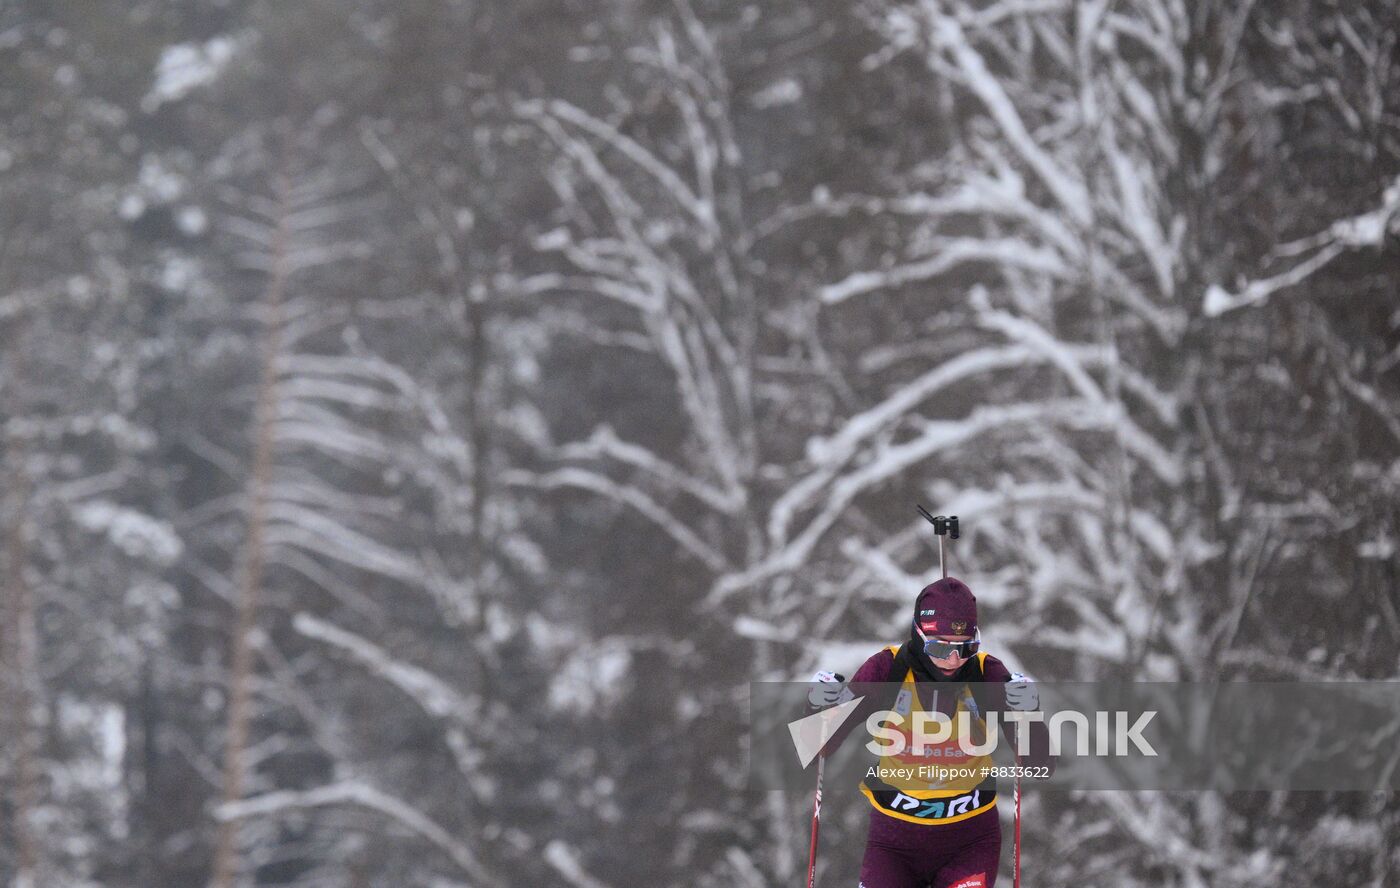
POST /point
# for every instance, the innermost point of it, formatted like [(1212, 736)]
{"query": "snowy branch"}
[(604, 442), (955, 251), (1071, 193), (1364, 230), (365, 796), (434, 695), (565, 861), (582, 479)]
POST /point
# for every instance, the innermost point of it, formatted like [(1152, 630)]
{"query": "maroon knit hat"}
[(946, 607)]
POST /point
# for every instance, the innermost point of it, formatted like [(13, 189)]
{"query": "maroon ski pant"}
[(899, 854)]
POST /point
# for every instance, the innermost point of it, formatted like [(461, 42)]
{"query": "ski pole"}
[(816, 826), (1016, 862)]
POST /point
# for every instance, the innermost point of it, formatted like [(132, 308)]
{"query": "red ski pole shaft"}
[(1016, 873), (816, 826)]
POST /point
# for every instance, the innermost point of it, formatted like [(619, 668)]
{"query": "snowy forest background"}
[(422, 420)]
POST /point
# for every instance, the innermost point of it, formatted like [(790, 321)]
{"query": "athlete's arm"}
[(866, 684), (997, 677)]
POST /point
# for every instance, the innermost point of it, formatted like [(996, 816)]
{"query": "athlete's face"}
[(953, 662)]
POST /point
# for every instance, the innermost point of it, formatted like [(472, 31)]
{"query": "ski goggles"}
[(942, 650)]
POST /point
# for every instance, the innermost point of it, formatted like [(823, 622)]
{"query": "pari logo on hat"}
[(946, 607)]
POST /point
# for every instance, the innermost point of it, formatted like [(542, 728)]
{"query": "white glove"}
[(828, 689), (1021, 694)]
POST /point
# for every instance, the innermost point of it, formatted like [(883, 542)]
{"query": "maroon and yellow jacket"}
[(945, 784)]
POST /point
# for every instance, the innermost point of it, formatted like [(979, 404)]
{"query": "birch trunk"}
[(21, 668), (226, 854)]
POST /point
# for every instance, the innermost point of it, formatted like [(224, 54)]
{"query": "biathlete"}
[(925, 831)]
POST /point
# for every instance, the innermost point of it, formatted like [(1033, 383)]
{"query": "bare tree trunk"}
[(19, 656), (23, 673), (478, 429), (226, 861)]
